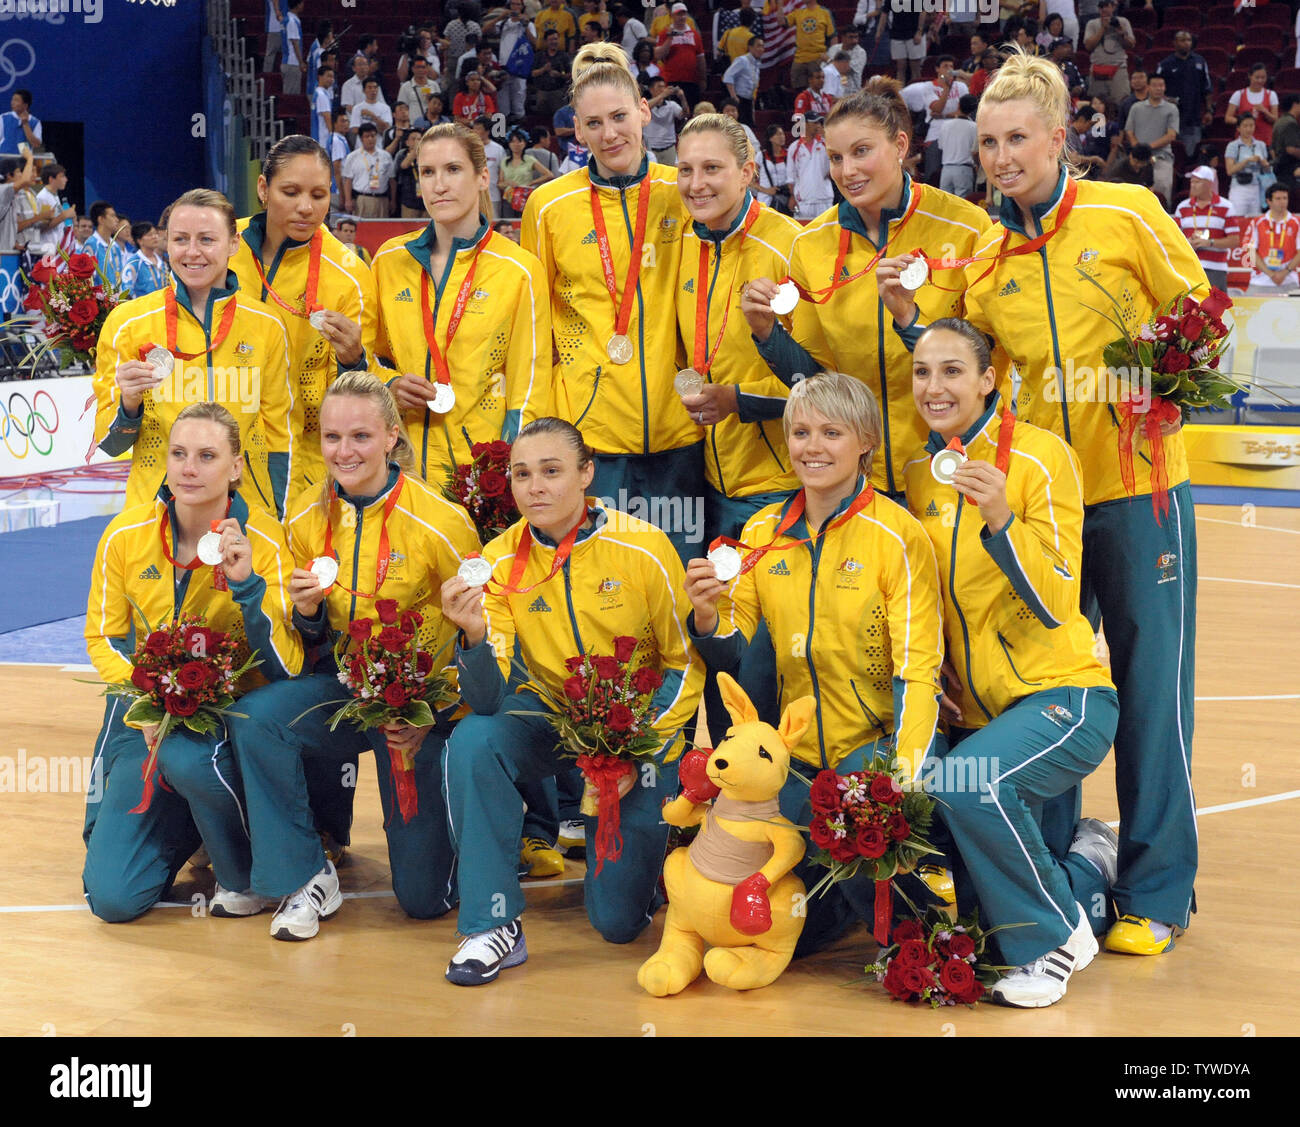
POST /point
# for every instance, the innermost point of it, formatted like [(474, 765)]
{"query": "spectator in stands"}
[(990, 60), (838, 76), (1069, 20), (291, 44), (1133, 166), (679, 52), (368, 189), (1286, 139), (1061, 52), (410, 205), (54, 178), (1107, 134), (1257, 101), (540, 150), (857, 59), (146, 271), (1137, 82), (1082, 143), (322, 104), (906, 41), (556, 16), (743, 76), (551, 68), (472, 102), (415, 91), (1155, 123), (594, 13), (345, 230), (274, 27), (516, 50), (29, 217), (729, 107), (1205, 220), (667, 107), (733, 43), (435, 112), (520, 174), (337, 150), (589, 33), (1246, 161), (954, 138), (394, 139), (82, 231), (1052, 29), (456, 32), (562, 124), (814, 28), (495, 155), (354, 89), (979, 43), (773, 175), (813, 100), (20, 125), (644, 67), (424, 49), (102, 243), (1187, 82), (316, 52), (1023, 33), (809, 171), (372, 107), (628, 30), (1109, 37), (1273, 242), (370, 49)]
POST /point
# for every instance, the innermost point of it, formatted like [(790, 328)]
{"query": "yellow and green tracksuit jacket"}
[(744, 453), (621, 408), (500, 358), (623, 578), (130, 565), (1010, 601), (1047, 315), (346, 286), (855, 622), (852, 332), (248, 375)]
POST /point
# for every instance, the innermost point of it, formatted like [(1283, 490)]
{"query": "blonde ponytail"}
[(602, 64), (1038, 81)]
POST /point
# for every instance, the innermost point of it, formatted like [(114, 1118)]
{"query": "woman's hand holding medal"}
[(462, 605), (134, 379), (756, 304), (986, 486), (897, 298), (236, 551), (703, 588), (343, 333)]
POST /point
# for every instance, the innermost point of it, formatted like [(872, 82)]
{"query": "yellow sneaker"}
[(541, 858), (939, 881), (1133, 935)]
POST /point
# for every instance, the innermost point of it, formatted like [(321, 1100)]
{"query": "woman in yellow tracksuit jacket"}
[(279, 250), (884, 213), (616, 357), (854, 613), (590, 576), (1054, 323), (227, 348), (394, 538), (131, 857), (1032, 710), (499, 355)]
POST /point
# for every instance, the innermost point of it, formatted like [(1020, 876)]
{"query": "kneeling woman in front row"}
[(139, 833), (849, 590), (393, 538), (1033, 712), (566, 580)]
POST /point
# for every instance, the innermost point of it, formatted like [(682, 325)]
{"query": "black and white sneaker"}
[(482, 956), (1043, 982), (299, 914), (1097, 843)]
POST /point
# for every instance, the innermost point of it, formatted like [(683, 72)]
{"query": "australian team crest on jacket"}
[(610, 592), (848, 576)]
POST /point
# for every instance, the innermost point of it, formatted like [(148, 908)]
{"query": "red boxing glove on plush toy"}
[(751, 911), (693, 775)]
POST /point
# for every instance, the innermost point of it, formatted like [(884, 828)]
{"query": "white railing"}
[(244, 85)]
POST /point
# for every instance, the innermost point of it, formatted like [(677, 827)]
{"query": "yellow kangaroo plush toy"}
[(732, 888)]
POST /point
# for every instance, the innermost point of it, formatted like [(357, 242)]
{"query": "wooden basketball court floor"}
[(371, 971)]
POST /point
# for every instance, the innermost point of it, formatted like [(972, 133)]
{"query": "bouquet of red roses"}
[(1173, 366), (865, 822), (605, 718), (74, 304), (937, 960), (483, 488), (391, 681), (184, 674)]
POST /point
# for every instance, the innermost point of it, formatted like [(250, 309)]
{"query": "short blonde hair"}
[(732, 132), (1038, 81), (362, 385), (207, 197), (842, 399)]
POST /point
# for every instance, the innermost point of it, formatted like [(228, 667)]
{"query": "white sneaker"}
[(299, 915), (232, 905), (482, 956), (1043, 981), (572, 835), (1098, 844)]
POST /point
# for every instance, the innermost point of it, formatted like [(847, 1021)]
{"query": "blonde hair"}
[(842, 399), (732, 131), (362, 385), (216, 413), (702, 109), (468, 140), (602, 64), (1038, 81), (207, 197)]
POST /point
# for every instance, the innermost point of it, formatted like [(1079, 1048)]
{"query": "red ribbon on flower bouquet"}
[(1131, 418), (605, 772), (403, 783)]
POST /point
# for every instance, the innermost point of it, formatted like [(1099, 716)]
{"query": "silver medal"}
[(688, 382), (209, 548), (317, 320), (914, 275), (444, 399), (619, 349), (326, 570), (945, 464), (726, 562), (161, 361), (787, 297), (475, 571)]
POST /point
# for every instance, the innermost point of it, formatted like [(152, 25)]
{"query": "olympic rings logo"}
[(8, 69), (33, 427)]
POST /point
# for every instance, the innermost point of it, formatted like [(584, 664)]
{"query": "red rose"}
[(423, 664), (913, 953), (956, 976), (575, 688), (82, 265), (192, 675), (1216, 303), (871, 842), (624, 647), (143, 679), (478, 449), (885, 790), (620, 718), (492, 484), (842, 850), (200, 641), (387, 611), (1192, 326), (908, 929), (917, 979), (826, 795), (1174, 360), (893, 982), (961, 945), (607, 669), (499, 449), (573, 664), (83, 342), (820, 832), (158, 643), (359, 630), (971, 996), (393, 640), (42, 272), (395, 696), (897, 828), (35, 299), (180, 706), (646, 680), (1165, 327), (411, 621), (83, 312)]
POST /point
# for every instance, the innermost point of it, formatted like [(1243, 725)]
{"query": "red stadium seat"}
[(1141, 19), (1273, 15), (1257, 35), (1223, 35), (1183, 15), (1163, 39), (1217, 59), (1247, 57)]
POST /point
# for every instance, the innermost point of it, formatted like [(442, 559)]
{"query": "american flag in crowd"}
[(778, 36)]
